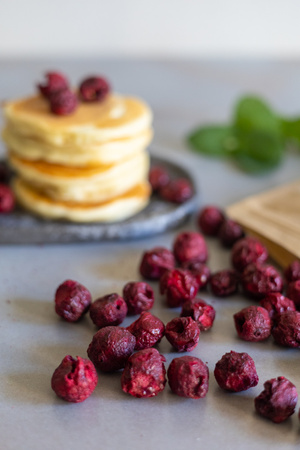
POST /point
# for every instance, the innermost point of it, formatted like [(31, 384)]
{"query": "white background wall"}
[(34, 28)]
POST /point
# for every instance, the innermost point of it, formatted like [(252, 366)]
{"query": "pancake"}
[(117, 209)]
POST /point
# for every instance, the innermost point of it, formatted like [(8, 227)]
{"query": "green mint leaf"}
[(291, 129), (213, 140)]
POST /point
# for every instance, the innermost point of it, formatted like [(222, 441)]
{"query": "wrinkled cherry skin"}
[(108, 310), (278, 400), (276, 303), (148, 330), (74, 380), (177, 191), (230, 232), (188, 376), (190, 246), (200, 271), (72, 300), (293, 292), (224, 283), (158, 178), (210, 220), (246, 251), (236, 372), (202, 313), (287, 329), (183, 333), (63, 103), (54, 82), (110, 348), (253, 323), (139, 297), (7, 199), (155, 262), (258, 280), (292, 271), (94, 89), (144, 374), (178, 285)]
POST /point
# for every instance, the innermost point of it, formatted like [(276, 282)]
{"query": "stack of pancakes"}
[(89, 166)]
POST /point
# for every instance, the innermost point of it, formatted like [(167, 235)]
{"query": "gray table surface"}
[(34, 340)]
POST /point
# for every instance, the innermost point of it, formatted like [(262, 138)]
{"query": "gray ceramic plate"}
[(23, 228)]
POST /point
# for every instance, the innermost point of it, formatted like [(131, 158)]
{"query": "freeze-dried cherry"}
[(292, 271), (7, 199), (278, 400), (183, 333), (72, 300), (236, 372), (108, 310), (230, 232), (139, 296), (144, 374), (200, 271), (287, 329), (210, 220), (253, 323), (258, 280), (178, 285), (63, 102), (158, 177), (293, 292), (276, 303), (177, 191), (224, 283), (55, 81), (189, 246), (74, 379), (202, 313), (148, 330), (110, 348), (188, 376), (155, 262), (246, 251), (94, 89)]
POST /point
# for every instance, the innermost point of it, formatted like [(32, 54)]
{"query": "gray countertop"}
[(182, 94)]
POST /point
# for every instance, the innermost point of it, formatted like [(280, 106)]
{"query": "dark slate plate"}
[(20, 227)]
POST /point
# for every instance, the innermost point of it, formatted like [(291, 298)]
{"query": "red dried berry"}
[(276, 303), (224, 283), (155, 262), (148, 330), (94, 89), (144, 374), (177, 191), (258, 280), (292, 272), (158, 177), (188, 377), (287, 329), (108, 310), (210, 220), (202, 313), (139, 297), (230, 232), (74, 380), (293, 292), (190, 246), (7, 199), (183, 333), (236, 372), (72, 300), (110, 348), (278, 400), (200, 271), (63, 103), (54, 82), (253, 323), (178, 285), (246, 251)]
